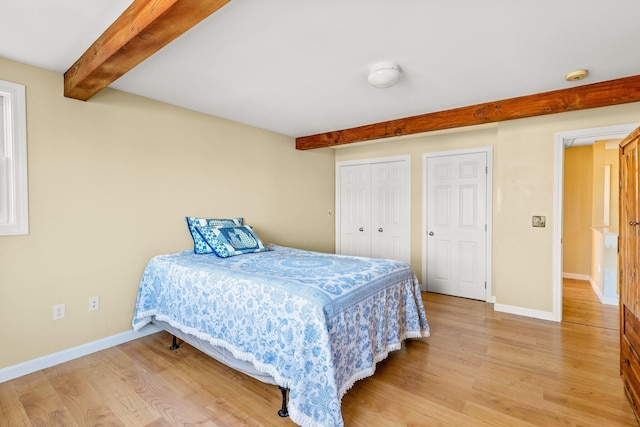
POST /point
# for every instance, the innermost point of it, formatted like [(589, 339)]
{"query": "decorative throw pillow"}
[(199, 245), (231, 241)]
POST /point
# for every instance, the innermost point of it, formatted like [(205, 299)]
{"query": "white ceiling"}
[(299, 67)]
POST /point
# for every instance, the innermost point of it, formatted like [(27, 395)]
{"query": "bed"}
[(309, 322)]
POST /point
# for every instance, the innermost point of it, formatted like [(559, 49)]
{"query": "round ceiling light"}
[(576, 75), (384, 74)]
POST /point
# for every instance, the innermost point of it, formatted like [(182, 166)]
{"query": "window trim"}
[(12, 96)]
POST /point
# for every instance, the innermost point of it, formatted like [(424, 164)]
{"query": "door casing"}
[(562, 140)]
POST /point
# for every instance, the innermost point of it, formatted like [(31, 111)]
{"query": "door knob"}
[(360, 229), (431, 233), (380, 230)]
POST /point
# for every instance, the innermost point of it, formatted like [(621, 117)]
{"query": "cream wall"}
[(577, 210), (110, 182), (523, 186)]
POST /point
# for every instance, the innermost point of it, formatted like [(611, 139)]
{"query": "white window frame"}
[(14, 210)]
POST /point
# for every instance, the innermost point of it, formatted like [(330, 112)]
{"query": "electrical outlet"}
[(94, 303), (58, 311)]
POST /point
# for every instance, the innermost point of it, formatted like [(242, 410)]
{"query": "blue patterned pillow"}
[(199, 245), (231, 241)]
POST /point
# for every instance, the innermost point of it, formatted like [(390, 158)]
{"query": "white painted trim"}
[(489, 297), (588, 136), (401, 158), (14, 119), (63, 356), (558, 182), (607, 196), (562, 140), (602, 298), (537, 314), (576, 276)]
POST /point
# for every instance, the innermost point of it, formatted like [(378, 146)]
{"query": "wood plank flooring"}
[(583, 307), (478, 368)]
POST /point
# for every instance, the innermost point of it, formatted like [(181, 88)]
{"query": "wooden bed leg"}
[(174, 344), (284, 412)]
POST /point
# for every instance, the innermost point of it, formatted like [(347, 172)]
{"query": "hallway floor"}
[(581, 305)]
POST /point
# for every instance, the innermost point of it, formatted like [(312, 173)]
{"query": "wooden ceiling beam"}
[(143, 29), (613, 92)]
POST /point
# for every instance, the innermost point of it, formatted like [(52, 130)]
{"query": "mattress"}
[(311, 322)]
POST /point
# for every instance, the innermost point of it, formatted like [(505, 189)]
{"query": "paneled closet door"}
[(355, 210), (457, 224), (373, 208), (389, 213)]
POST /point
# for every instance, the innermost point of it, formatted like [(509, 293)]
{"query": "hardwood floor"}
[(479, 367), (583, 307)]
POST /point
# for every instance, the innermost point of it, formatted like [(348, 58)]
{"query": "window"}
[(14, 215)]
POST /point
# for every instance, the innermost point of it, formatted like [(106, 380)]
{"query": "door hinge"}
[(486, 170), (485, 285), (485, 227)]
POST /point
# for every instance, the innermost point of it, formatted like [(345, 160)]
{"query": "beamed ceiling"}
[(299, 68)]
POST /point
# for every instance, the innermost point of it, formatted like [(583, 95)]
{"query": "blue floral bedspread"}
[(315, 322)]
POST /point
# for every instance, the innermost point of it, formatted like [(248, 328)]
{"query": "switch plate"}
[(538, 221)]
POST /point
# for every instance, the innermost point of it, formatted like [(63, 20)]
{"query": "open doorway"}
[(568, 139), (590, 233), (590, 216)]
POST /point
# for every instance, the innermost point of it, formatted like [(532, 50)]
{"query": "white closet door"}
[(355, 210), (456, 225), (390, 211), (373, 208)]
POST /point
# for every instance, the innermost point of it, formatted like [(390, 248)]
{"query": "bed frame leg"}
[(284, 412), (174, 344)]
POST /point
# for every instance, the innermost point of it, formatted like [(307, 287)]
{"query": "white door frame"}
[(425, 156), (563, 140)]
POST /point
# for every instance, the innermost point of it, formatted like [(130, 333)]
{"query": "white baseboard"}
[(610, 301), (575, 276), (35, 365), (587, 278), (602, 298), (537, 314)]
